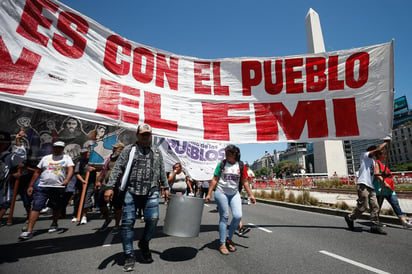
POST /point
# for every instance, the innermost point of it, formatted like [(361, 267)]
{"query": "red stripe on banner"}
[(216, 119), (346, 120)]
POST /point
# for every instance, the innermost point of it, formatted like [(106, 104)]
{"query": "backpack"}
[(241, 167)]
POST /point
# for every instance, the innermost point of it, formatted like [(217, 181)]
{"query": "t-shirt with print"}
[(54, 170), (230, 178), (366, 170)]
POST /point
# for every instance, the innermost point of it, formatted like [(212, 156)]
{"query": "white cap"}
[(59, 144)]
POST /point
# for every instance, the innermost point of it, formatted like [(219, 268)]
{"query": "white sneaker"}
[(407, 225), (74, 220), (44, 210), (83, 220)]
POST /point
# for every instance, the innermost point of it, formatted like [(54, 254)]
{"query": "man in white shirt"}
[(55, 171), (366, 192)]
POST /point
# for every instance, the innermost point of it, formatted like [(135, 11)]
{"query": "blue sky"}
[(217, 29)]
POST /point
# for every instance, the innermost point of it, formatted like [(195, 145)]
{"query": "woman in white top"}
[(227, 177), (178, 180)]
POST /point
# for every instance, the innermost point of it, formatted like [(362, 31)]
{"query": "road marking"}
[(108, 240), (375, 270), (207, 205), (261, 228)]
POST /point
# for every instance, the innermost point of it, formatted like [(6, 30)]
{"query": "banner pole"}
[(81, 202)]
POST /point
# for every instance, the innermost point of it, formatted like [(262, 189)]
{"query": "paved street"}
[(282, 240)]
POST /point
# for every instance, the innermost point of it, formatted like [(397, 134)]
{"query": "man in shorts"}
[(55, 171)]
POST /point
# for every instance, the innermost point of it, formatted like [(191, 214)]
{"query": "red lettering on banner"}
[(363, 59), (162, 69), (201, 75), (152, 112), (109, 100), (270, 87), (334, 83), (16, 78), (218, 89), (315, 74), (318, 77), (292, 75), (32, 18), (143, 65), (216, 119), (64, 24), (249, 67), (346, 120), (311, 113), (113, 43)]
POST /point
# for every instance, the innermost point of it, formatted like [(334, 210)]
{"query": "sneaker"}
[(146, 254), (83, 221), (74, 220), (44, 210), (26, 235), (243, 230), (53, 228), (115, 230), (105, 225), (142, 220), (407, 225), (378, 230), (129, 262), (349, 222)]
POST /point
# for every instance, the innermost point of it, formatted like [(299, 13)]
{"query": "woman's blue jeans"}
[(224, 202), (150, 205), (393, 201)]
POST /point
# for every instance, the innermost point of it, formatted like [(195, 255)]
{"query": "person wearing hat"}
[(117, 199), (9, 160), (139, 169), (54, 172)]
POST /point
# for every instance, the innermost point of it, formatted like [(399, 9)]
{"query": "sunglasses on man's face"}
[(146, 134)]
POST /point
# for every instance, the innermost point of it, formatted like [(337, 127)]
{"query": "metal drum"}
[(183, 216)]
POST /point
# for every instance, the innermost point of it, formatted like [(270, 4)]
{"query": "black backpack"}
[(241, 166)]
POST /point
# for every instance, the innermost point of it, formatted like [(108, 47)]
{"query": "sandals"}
[(230, 245), (223, 250)]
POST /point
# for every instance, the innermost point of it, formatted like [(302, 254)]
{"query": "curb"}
[(330, 211)]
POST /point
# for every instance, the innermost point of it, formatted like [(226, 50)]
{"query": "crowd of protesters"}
[(133, 179)]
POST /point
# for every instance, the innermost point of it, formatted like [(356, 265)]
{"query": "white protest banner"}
[(56, 59), (198, 159)]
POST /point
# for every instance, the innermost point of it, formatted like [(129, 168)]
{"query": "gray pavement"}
[(283, 240)]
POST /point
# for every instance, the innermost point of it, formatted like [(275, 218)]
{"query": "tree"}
[(286, 167)]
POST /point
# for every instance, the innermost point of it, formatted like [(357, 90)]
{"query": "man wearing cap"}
[(117, 200), (55, 171), (140, 168), (9, 160)]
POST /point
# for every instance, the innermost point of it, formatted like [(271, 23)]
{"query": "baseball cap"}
[(84, 150), (144, 128), (58, 144), (5, 137), (118, 145)]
